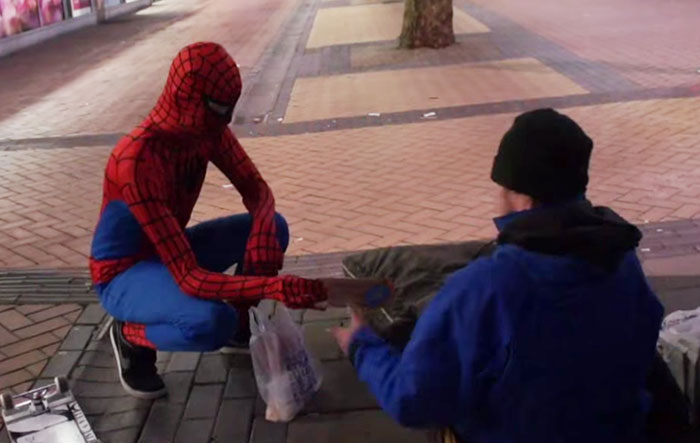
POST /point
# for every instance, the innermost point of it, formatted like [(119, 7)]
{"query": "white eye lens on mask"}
[(218, 108)]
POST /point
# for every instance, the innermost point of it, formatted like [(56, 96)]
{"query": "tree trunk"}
[(427, 23)]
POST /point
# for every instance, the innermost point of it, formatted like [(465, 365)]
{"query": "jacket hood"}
[(202, 76), (596, 235)]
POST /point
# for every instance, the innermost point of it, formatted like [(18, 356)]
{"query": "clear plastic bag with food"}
[(286, 374)]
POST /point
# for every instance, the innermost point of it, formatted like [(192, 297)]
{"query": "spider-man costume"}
[(150, 271)]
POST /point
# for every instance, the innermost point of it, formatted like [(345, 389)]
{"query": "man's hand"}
[(263, 256), (344, 335)]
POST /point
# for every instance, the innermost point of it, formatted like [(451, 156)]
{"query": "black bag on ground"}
[(669, 420)]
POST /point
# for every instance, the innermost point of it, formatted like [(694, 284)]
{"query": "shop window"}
[(19, 16)]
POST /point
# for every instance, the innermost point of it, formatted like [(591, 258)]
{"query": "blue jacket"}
[(525, 346)]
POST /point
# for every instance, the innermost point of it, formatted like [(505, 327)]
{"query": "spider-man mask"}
[(203, 87)]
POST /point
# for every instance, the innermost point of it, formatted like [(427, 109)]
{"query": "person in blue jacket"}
[(549, 339)]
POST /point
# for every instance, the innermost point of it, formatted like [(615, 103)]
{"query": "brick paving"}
[(347, 95), (344, 183), (85, 82), (374, 22), (29, 336), (651, 43), (370, 187), (213, 397)]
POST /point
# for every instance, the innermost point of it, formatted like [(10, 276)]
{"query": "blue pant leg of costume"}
[(147, 293), (220, 243)]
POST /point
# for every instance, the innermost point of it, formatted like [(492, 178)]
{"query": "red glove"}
[(296, 292), (263, 256)]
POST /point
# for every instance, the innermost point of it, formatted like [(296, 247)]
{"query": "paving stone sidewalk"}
[(348, 179), (29, 336), (214, 398), (345, 179)]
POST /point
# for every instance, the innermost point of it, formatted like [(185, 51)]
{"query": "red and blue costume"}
[(167, 281)]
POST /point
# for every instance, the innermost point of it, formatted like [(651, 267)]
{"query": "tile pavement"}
[(372, 22), (364, 181), (650, 43), (29, 336), (437, 87), (86, 83), (384, 182), (506, 40), (48, 328), (369, 187), (212, 397)]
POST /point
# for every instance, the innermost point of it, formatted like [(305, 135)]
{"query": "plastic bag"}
[(286, 375), (683, 322)]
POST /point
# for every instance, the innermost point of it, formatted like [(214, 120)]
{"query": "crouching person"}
[(164, 283)]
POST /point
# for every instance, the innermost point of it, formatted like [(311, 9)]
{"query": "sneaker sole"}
[(129, 390)]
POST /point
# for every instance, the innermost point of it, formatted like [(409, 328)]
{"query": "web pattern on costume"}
[(136, 335), (158, 171)]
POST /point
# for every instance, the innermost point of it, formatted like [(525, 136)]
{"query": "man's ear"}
[(527, 202)]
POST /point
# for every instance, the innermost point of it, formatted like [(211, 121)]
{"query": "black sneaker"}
[(239, 343), (137, 366)]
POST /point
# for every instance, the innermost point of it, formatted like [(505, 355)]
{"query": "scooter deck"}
[(46, 414)]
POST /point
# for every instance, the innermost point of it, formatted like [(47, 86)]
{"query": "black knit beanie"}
[(545, 155)]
